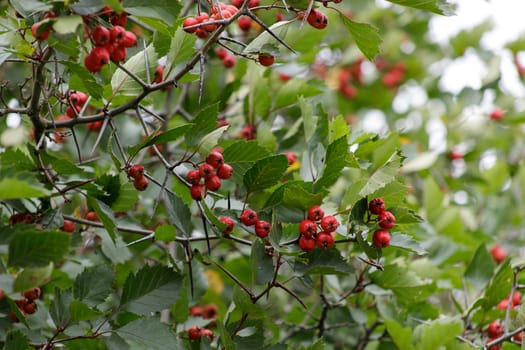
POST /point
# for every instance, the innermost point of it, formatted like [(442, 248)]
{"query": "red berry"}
[(376, 206), (208, 333), (68, 226), (221, 52), (30, 308), (225, 171), (229, 61), (71, 112), (518, 337), (502, 305), (119, 19), (387, 220), (315, 213), (95, 126), (455, 155), (193, 177), (263, 228), (495, 329), (324, 240), (329, 223), (497, 114), (317, 19), (202, 17), (229, 224), (198, 192), (206, 170), (91, 216), (13, 317), (40, 35), (92, 65), (516, 298), (159, 72), (78, 98), (249, 217), (213, 183), (117, 34), (196, 310), (493, 347), (245, 23), (141, 183), (129, 40), (118, 54), (291, 157), (306, 243), (136, 171), (194, 333), (100, 55), (307, 228), (381, 239), (210, 311), (101, 36), (32, 294), (201, 33), (215, 159), (499, 254), (248, 132), (190, 21), (266, 60)]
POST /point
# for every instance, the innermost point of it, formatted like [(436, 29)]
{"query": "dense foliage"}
[(254, 175)]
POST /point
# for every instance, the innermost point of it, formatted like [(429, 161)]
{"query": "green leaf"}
[(326, 262), (406, 242), (266, 43), (287, 94), (105, 215), (151, 289), (225, 335), (204, 123), (123, 84), (405, 284), (242, 155), (26, 247), (127, 198), (80, 311), (480, 269), (166, 10), (11, 188), (16, 340), (87, 7), (334, 163), (181, 49), (440, 7), (94, 285), (244, 303), (370, 251), (164, 137), (438, 333), (67, 24), (261, 264), (33, 277), (210, 140), (265, 172), (402, 336), (165, 233), (295, 194), (382, 176), (150, 333), (59, 308), (28, 8), (178, 213), (366, 37)]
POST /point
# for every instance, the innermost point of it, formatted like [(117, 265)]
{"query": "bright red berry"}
[(249, 217), (136, 171), (209, 311), (315, 213), (119, 19), (194, 333), (377, 206), (205, 332), (213, 182), (91, 64), (190, 21), (101, 36), (291, 157), (40, 34), (91, 216), (495, 329), (118, 53), (225, 171), (221, 52), (516, 298), (229, 224), (387, 220), (141, 183), (266, 60), (215, 159), (497, 114), (502, 305), (329, 223), (307, 228), (518, 337), (68, 226), (100, 55), (317, 19), (196, 310), (71, 112), (263, 228), (193, 177), (499, 254), (117, 34), (306, 243), (245, 23), (381, 239), (206, 170), (493, 347), (324, 240), (198, 192), (32, 294), (129, 40), (229, 61), (78, 98), (95, 126), (30, 307)]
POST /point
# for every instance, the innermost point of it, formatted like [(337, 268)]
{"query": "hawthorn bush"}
[(253, 175)]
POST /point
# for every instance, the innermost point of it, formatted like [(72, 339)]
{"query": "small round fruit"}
[(225, 171), (196, 310), (516, 298), (136, 171), (117, 34), (95, 126), (221, 52), (208, 333), (210, 311), (493, 347), (159, 72), (198, 192), (129, 40), (495, 329), (497, 114), (245, 23), (229, 224), (92, 65), (70, 111), (292, 158), (141, 183), (387, 220), (315, 213), (307, 228), (193, 177), (100, 36), (518, 337), (194, 333), (381, 239), (377, 206), (78, 98), (188, 22), (68, 226), (329, 223), (262, 228), (91, 216), (13, 317), (266, 60), (119, 19), (213, 183), (306, 243), (30, 307), (229, 61), (215, 159), (502, 305), (32, 294), (249, 217), (100, 55), (43, 35), (499, 254), (118, 54), (206, 170), (317, 19), (324, 240)]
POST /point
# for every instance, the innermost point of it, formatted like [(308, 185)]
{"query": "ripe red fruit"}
[(245, 23), (248, 132), (324, 240), (229, 61), (95, 126), (307, 228), (68, 226), (194, 333), (495, 329), (13, 317), (201, 33), (229, 224), (206, 170), (387, 220), (100, 36), (215, 159), (455, 155), (213, 183), (159, 72), (502, 305), (100, 55), (78, 98), (262, 228), (266, 60), (141, 183), (30, 308), (208, 333), (291, 157), (317, 19), (493, 347), (249, 217), (40, 35), (516, 298), (198, 192), (221, 52), (209, 311), (193, 177), (196, 310), (119, 19), (190, 21), (91, 216), (329, 223), (315, 213), (32, 294), (117, 34), (92, 65), (118, 54), (381, 239), (518, 337), (306, 243), (71, 112), (202, 17), (225, 171), (376, 206), (136, 171), (129, 40), (497, 114), (499, 254)]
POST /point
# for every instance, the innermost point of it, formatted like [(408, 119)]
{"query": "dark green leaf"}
[(26, 247), (166, 10), (33, 277), (265, 172), (261, 264), (370, 251), (402, 336), (59, 309), (87, 7), (28, 8), (481, 268), (326, 262), (94, 284), (241, 155), (382, 176), (440, 7), (16, 340), (245, 304), (150, 333), (204, 123), (365, 36), (11, 188), (151, 289), (165, 233), (406, 242), (105, 215), (80, 311), (128, 197), (178, 213), (122, 84), (334, 163)]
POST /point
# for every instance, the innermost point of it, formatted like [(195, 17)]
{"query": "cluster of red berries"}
[(227, 59), (213, 171), (394, 75), (385, 219), (317, 230), (349, 77), (250, 218), (516, 301), (26, 305), (19, 218), (109, 44), (196, 333), (43, 33), (218, 12), (495, 330), (76, 100), (117, 19), (136, 172)]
